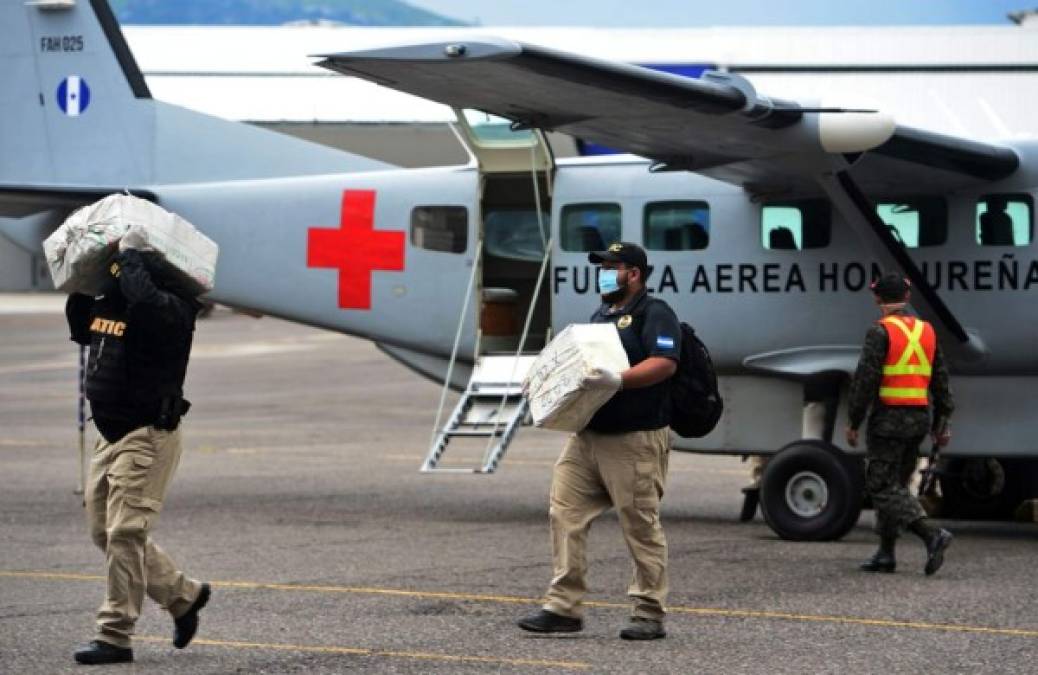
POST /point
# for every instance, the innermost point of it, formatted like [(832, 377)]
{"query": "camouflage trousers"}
[(892, 462)]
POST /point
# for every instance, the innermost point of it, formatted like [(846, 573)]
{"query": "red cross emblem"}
[(356, 249)]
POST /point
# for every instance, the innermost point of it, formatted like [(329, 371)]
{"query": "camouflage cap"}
[(891, 287)]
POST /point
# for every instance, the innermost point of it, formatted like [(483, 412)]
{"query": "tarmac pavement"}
[(299, 498)]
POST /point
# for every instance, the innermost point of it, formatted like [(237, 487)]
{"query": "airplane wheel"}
[(812, 491), (985, 489)]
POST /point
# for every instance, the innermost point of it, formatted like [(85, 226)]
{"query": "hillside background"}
[(276, 12)]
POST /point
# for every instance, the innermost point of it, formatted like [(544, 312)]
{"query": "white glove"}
[(603, 378)]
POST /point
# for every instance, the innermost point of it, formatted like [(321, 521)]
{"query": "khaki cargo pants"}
[(597, 471), (128, 481)]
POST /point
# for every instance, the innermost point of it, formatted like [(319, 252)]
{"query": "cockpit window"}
[(440, 228), (795, 226), (589, 227), (916, 221), (513, 234), (491, 131), (1005, 220), (676, 226)]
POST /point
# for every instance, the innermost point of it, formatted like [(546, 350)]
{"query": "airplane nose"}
[(854, 131)]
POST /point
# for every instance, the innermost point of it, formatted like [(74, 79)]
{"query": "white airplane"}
[(764, 219)]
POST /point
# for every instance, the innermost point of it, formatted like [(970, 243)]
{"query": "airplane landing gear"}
[(986, 488), (812, 491)]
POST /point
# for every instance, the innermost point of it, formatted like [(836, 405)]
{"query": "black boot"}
[(937, 540), (639, 628), (544, 621), (750, 500), (185, 627), (935, 548), (883, 559), (99, 652)]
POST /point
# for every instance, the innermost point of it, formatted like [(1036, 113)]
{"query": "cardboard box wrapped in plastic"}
[(78, 253), (557, 385)]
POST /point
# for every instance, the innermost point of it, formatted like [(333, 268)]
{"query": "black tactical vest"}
[(639, 409), (107, 375), (132, 367)]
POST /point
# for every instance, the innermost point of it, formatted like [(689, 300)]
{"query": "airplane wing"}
[(717, 125)]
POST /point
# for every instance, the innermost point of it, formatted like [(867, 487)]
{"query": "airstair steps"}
[(492, 407)]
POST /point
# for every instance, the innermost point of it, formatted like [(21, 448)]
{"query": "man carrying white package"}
[(136, 311), (620, 458), (139, 331)]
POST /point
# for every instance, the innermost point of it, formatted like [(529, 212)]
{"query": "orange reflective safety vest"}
[(909, 364)]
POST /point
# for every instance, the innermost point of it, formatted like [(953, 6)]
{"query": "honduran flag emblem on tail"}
[(73, 95)]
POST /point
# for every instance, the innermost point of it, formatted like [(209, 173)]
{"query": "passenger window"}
[(1004, 220), (589, 227), (676, 226), (795, 226), (916, 221), (440, 228)]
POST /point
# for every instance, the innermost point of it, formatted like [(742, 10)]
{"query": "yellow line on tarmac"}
[(853, 620), (38, 366), (64, 576), (385, 653), (24, 443), (518, 600)]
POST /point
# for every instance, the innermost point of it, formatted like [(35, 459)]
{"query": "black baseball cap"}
[(622, 252), (891, 287)]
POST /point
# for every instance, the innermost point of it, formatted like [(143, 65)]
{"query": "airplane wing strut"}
[(861, 215)]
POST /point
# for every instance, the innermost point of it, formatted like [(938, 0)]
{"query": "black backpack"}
[(695, 402)]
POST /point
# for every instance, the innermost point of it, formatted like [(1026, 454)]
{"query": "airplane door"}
[(515, 170), (498, 148)]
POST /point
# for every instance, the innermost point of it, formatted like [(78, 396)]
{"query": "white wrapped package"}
[(557, 385), (78, 252)]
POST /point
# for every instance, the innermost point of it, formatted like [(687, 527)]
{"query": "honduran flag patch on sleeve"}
[(664, 342)]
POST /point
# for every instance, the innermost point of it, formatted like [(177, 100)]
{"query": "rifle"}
[(927, 484)]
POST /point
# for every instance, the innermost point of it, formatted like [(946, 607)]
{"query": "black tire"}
[(966, 487), (812, 491)]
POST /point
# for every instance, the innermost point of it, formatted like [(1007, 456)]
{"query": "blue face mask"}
[(607, 281)]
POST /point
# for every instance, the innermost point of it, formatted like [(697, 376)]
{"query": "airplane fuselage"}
[(743, 297), (347, 252)]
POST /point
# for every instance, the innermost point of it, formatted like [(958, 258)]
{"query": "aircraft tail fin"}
[(76, 110)]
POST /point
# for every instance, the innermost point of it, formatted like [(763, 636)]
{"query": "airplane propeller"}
[(827, 110)]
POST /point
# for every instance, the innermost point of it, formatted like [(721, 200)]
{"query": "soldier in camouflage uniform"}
[(897, 426)]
